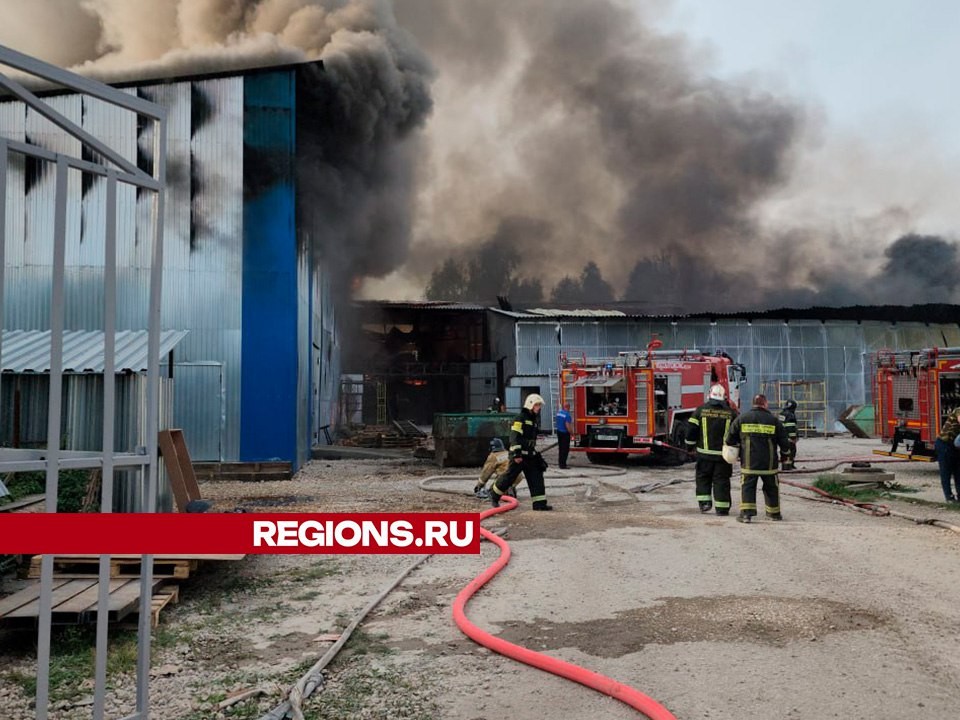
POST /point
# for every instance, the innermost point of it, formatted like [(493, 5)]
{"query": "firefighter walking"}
[(524, 456), (758, 434), (788, 416), (706, 430)]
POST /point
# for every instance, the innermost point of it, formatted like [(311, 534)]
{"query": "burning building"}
[(257, 372)]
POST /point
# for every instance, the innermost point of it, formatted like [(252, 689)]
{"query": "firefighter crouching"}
[(788, 416), (524, 457), (758, 434), (706, 430), (496, 464)]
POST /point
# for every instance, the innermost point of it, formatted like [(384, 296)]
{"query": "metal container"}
[(463, 439)]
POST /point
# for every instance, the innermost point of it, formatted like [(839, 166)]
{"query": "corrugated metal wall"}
[(836, 352), (202, 246)]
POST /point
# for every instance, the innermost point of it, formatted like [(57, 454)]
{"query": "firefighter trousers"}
[(713, 483), (791, 456), (748, 493), (532, 470)]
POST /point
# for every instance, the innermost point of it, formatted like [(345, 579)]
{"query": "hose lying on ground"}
[(612, 688), (875, 509), (314, 676)]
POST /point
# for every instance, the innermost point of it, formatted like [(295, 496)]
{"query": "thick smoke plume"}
[(613, 137), (371, 97)]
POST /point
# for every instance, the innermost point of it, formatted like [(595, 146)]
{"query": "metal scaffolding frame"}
[(115, 168)]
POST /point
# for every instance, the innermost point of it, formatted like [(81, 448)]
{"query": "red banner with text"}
[(239, 533)]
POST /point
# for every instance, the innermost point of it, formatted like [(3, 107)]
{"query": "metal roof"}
[(28, 351)]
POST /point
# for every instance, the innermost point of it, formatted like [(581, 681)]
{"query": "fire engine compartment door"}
[(674, 391), (604, 395), (949, 392)]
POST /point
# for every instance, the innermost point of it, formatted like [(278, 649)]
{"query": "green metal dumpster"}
[(463, 439)]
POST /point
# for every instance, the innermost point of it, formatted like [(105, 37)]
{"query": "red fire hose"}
[(601, 683)]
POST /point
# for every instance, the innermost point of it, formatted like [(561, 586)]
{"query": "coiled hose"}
[(601, 683)]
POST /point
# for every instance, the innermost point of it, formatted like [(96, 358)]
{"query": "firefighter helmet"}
[(496, 445), (532, 400), (718, 393), (790, 405)]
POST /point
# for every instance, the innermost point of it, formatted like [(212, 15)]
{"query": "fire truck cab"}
[(913, 391), (638, 402)]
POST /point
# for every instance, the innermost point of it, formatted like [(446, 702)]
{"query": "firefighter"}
[(524, 456), (706, 430), (788, 416), (758, 433), (495, 465), (947, 454)]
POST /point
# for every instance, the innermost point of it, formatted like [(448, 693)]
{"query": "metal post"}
[(152, 429), (109, 401), (53, 430), (3, 238)]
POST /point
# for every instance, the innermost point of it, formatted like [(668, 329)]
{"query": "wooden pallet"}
[(73, 601), (175, 567), (168, 595)]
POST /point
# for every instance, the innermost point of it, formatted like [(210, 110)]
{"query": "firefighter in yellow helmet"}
[(524, 456), (706, 429)]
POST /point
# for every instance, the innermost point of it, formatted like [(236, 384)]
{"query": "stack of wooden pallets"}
[(75, 588)]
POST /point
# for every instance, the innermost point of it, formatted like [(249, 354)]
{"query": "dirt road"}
[(828, 614)]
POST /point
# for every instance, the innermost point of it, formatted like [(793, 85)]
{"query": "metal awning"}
[(598, 381), (28, 351)]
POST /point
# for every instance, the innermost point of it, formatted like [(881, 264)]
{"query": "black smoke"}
[(617, 135)]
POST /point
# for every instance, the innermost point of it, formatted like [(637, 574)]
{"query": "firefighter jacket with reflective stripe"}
[(707, 428), (758, 433), (949, 431), (789, 420), (497, 463), (523, 435)]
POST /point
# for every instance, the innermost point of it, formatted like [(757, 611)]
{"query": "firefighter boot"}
[(743, 517), (542, 505), (705, 506), (775, 516), (495, 496)]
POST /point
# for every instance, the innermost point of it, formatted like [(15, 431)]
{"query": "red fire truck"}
[(912, 392), (638, 403)]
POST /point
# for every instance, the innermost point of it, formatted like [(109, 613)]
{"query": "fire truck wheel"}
[(678, 439), (601, 458)]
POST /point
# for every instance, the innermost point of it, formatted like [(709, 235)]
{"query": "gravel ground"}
[(832, 613)]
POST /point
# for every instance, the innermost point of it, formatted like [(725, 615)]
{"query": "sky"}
[(875, 68), (877, 152), (688, 149)]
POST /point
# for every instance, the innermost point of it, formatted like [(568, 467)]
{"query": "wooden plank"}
[(96, 558), (118, 569), (84, 600), (22, 597), (186, 467), (22, 502), (61, 594), (168, 451), (125, 599)]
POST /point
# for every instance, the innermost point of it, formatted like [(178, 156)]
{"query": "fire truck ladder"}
[(554, 380)]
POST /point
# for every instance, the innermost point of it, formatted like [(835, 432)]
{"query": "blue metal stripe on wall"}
[(269, 372)]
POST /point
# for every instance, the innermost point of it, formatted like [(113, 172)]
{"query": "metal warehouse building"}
[(257, 372), (828, 349)]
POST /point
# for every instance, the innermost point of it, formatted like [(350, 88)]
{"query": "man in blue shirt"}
[(564, 428)]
